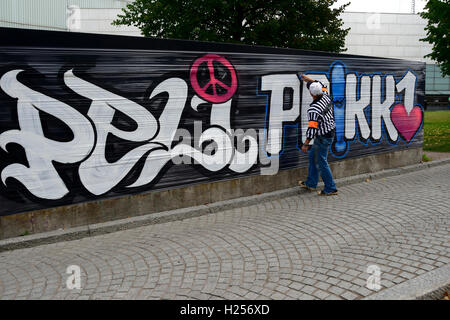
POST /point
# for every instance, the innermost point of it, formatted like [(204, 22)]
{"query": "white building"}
[(390, 35), (396, 35)]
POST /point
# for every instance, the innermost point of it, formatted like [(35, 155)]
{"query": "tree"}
[(303, 24), (438, 31)]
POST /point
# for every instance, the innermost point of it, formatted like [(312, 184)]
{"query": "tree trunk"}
[(237, 25)]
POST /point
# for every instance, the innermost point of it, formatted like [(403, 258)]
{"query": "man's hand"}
[(306, 78), (305, 148)]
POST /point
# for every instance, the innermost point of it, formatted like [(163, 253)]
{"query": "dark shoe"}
[(303, 185), (332, 193)]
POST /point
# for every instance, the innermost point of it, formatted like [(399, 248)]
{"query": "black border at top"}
[(15, 37)]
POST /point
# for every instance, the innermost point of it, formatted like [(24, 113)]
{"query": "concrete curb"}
[(184, 213), (430, 285)]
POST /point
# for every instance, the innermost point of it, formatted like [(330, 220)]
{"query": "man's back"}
[(321, 111)]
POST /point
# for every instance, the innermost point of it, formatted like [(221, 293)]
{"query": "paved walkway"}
[(300, 247)]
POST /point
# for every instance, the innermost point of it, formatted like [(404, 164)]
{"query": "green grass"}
[(437, 131)]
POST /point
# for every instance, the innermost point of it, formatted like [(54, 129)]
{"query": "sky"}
[(391, 6)]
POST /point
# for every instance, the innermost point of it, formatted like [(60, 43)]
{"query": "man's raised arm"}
[(306, 78)]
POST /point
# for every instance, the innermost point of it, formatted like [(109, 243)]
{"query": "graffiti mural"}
[(86, 122)]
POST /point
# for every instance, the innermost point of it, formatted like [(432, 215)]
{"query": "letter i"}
[(337, 75)]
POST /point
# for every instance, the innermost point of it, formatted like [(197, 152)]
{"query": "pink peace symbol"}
[(201, 91)]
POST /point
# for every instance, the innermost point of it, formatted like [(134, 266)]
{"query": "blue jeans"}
[(317, 156)]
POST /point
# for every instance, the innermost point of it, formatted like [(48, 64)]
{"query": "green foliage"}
[(438, 31), (437, 131), (425, 158), (303, 24)]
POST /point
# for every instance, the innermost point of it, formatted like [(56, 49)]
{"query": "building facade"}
[(397, 35)]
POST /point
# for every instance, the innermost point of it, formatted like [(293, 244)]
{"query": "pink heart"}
[(406, 124)]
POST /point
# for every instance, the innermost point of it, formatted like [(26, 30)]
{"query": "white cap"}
[(316, 89)]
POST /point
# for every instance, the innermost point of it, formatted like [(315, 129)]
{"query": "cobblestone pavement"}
[(300, 247)]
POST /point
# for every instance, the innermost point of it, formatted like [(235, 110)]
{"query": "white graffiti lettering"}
[(368, 103), (276, 84), (40, 176), (354, 110), (381, 110)]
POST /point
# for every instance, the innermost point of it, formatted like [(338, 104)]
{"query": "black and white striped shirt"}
[(319, 124)]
